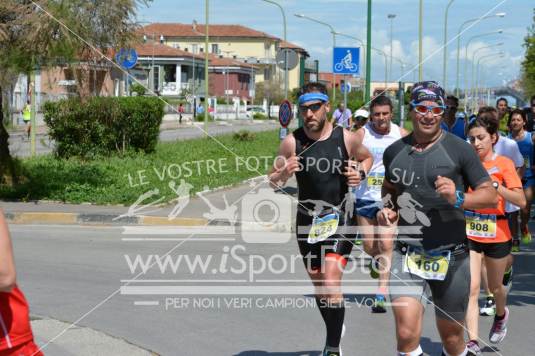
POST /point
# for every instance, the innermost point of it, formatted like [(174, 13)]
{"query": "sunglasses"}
[(313, 107), (424, 109)]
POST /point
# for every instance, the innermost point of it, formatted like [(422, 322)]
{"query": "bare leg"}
[(472, 314), (408, 313)]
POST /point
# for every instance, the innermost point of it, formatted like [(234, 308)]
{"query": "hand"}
[(446, 188), (352, 173), (386, 217), (291, 166)]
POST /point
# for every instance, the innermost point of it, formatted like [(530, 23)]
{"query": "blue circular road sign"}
[(285, 113)]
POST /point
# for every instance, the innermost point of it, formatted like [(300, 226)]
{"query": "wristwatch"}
[(362, 174), (459, 195), (495, 184)]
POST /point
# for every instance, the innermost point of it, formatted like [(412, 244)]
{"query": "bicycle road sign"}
[(346, 60)]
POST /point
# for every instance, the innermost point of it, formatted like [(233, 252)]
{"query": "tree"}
[(47, 32), (528, 64)]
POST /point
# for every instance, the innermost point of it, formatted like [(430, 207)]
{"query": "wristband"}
[(459, 195)]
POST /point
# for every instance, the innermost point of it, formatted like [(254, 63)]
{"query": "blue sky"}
[(349, 16)]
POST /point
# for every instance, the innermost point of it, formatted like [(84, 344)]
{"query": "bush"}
[(259, 116), (103, 125), (139, 89), (244, 135)]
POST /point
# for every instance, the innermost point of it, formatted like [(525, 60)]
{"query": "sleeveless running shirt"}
[(525, 146), (370, 188), (322, 166), (414, 174), (458, 127)]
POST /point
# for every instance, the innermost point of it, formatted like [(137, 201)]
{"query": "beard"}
[(316, 126)]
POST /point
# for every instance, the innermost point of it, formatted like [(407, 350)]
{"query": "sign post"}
[(285, 116)]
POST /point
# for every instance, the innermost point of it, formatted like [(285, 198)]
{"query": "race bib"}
[(376, 181), (480, 225), (429, 267), (323, 227)]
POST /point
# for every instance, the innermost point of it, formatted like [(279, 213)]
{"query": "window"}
[(194, 48), (201, 49), (215, 48), (169, 73), (156, 78)]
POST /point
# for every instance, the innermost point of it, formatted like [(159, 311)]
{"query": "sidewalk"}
[(169, 122), (78, 340), (254, 205)]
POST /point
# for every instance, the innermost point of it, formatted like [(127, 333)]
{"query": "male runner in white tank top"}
[(378, 133)]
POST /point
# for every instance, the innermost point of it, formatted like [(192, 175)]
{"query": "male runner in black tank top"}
[(321, 158)]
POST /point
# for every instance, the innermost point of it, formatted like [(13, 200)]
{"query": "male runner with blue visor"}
[(322, 157)]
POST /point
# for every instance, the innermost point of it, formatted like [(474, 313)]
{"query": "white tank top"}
[(370, 188)]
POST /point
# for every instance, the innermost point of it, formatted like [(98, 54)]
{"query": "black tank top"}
[(323, 164)]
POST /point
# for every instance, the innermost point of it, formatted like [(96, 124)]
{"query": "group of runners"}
[(435, 209)]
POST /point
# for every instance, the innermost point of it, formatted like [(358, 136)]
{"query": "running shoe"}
[(499, 328), (374, 268), (508, 279), (473, 348), (379, 304), (489, 309), (526, 237), (516, 245)]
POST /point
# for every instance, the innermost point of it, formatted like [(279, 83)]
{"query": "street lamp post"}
[(499, 14), (391, 18), (476, 100), (386, 66), (206, 84), (420, 41), (466, 57), (445, 46), (285, 53), (333, 32), (368, 50), (474, 58)]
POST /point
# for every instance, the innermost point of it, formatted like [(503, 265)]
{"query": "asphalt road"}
[(19, 145), (73, 273)]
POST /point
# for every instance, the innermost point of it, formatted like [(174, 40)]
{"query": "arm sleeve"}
[(471, 167), (510, 177)]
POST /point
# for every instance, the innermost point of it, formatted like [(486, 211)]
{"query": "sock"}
[(475, 342), (496, 317), (334, 321), (416, 352), (321, 306), (464, 353), (332, 349), (490, 295)]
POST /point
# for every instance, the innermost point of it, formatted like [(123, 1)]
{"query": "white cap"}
[(361, 113)]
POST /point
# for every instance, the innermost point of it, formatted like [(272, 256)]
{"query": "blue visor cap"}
[(305, 98)]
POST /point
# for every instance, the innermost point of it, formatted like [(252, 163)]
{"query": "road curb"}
[(62, 218)]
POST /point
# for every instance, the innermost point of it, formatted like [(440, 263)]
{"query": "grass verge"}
[(122, 179)]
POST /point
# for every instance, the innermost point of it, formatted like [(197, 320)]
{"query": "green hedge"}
[(104, 125)]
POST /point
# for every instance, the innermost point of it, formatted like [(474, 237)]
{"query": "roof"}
[(197, 30), (149, 48), (286, 44)]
